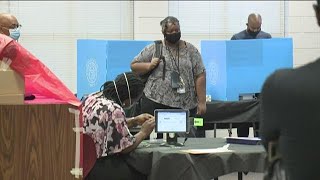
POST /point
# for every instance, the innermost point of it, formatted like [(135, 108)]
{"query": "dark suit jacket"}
[(290, 110)]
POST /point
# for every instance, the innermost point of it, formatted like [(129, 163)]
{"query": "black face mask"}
[(252, 33), (173, 38)]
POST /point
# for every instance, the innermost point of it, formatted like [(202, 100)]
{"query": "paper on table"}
[(208, 151)]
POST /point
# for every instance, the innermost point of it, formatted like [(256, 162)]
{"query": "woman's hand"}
[(147, 127), (201, 109), (142, 118), (154, 63)]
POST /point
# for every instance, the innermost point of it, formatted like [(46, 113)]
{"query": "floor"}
[(234, 176)]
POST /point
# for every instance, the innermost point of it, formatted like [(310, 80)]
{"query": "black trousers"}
[(148, 106), (243, 129), (114, 167)]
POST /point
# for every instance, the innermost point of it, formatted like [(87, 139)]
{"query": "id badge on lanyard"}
[(177, 82)]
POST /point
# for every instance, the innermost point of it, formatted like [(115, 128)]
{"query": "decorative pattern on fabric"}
[(104, 121), (190, 66)]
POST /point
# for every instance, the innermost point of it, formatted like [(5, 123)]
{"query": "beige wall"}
[(147, 17), (300, 25)]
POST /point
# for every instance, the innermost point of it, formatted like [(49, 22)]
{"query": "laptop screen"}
[(171, 120)]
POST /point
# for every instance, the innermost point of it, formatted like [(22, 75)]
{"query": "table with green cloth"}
[(171, 163)]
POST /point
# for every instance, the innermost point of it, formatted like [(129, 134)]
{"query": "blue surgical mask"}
[(14, 33)]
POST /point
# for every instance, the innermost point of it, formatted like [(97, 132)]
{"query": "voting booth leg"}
[(200, 132), (240, 176)]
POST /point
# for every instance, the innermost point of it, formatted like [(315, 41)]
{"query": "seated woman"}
[(106, 124)]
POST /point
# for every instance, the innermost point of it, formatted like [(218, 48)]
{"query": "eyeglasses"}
[(14, 26)]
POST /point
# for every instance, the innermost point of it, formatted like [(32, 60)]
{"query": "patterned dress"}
[(104, 120), (186, 61)]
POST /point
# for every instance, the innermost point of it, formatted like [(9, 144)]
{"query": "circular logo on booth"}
[(92, 71), (213, 73)]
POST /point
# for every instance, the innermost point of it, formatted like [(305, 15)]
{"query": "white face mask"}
[(15, 33)]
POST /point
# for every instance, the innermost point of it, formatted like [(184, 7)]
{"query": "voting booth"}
[(102, 60), (238, 68)]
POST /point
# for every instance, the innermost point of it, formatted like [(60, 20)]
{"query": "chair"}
[(89, 154)]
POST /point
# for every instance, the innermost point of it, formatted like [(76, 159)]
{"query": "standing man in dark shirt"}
[(253, 31)]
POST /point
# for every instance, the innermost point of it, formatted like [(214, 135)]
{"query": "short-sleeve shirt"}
[(245, 35), (189, 66), (105, 122)]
